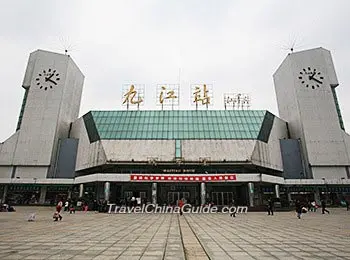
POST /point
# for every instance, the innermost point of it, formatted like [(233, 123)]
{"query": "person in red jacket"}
[(57, 214), (181, 204)]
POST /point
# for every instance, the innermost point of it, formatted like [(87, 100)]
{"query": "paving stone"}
[(168, 236)]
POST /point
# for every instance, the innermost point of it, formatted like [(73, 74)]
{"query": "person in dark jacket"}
[(298, 208), (323, 205), (270, 207)]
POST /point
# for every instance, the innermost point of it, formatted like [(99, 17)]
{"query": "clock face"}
[(310, 78), (47, 79)]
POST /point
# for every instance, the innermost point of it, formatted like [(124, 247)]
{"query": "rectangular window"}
[(178, 148)]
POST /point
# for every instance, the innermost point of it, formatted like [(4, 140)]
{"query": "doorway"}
[(222, 198), (174, 196)]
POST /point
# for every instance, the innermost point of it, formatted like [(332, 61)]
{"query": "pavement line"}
[(193, 248)]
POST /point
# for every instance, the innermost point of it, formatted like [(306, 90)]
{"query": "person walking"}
[(298, 208), (270, 207), (233, 214), (323, 205), (181, 204), (66, 205), (57, 214)]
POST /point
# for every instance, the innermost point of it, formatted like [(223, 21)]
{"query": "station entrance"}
[(222, 198), (171, 193), (175, 196)]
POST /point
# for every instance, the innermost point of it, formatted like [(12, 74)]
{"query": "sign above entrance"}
[(183, 178)]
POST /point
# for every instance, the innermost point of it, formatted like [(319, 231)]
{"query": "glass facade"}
[(338, 109), (22, 109), (178, 148), (178, 125)]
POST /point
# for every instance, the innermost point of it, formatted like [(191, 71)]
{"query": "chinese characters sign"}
[(237, 100), (201, 94), (133, 94), (168, 94), (183, 178)]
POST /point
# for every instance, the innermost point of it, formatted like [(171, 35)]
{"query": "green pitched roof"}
[(179, 124)]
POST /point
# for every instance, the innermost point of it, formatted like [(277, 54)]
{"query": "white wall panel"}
[(269, 154), (329, 172), (31, 172), (5, 172), (7, 150), (139, 150), (218, 150), (89, 155)]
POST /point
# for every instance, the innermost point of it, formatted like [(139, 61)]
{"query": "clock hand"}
[(312, 76), (51, 81), (48, 78), (317, 80)]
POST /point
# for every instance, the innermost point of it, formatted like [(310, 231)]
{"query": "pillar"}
[(317, 196), (69, 196), (154, 193), (81, 190), (203, 193), (277, 191), (251, 194), (289, 196), (107, 190), (4, 194), (42, 198)]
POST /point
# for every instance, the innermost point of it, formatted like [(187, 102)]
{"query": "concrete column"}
[(154, 193), (81, 190), (4, 194), (107, 190), (251, 194), (203, 193), (317, 196), (69, 196), (43, 190), (277, 191), (289, 196)]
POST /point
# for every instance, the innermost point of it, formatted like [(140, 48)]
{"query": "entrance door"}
[(174, 196), (222, 198)]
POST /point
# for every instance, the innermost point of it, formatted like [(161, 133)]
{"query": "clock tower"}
[(305, 85), (53, 87)]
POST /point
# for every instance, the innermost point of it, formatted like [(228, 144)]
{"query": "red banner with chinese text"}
[(182, 178)]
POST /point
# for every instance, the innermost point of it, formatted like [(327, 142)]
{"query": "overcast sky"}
[(234, 45)]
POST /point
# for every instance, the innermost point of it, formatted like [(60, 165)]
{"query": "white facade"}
[(54, 86), (303, 84)]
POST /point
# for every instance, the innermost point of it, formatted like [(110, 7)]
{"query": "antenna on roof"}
[(293, 43), (67, 45)]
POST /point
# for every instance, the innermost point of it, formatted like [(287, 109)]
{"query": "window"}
[(178, 148)]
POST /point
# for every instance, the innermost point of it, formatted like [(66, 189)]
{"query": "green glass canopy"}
[(179, 124)]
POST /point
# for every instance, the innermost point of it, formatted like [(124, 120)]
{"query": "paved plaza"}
[(169, 236)]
